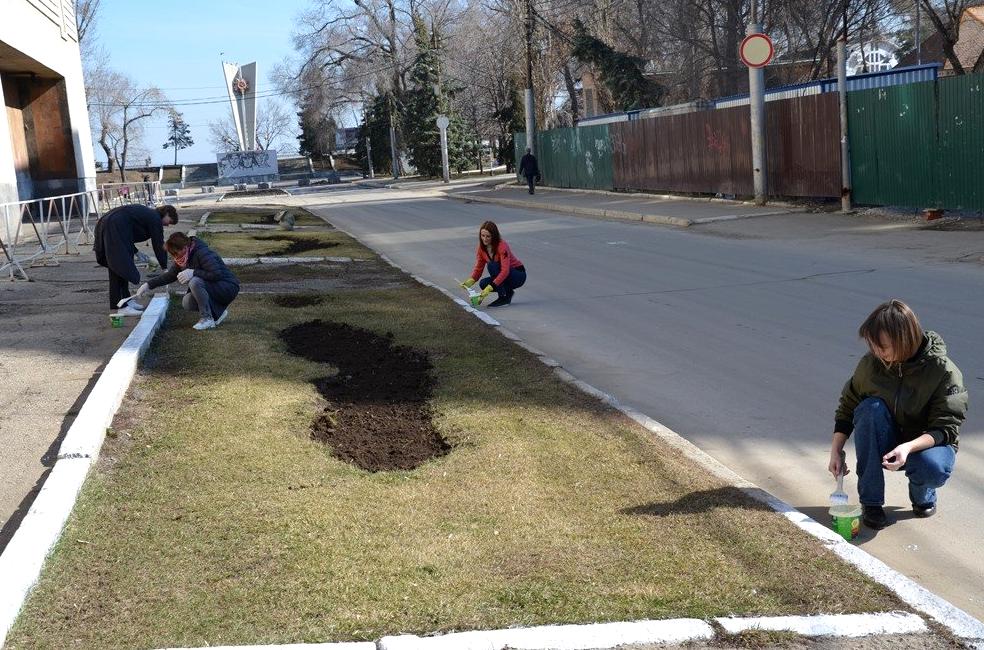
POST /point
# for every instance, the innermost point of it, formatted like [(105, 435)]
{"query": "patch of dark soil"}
[(377, 417), (296, 301), (89, 290), (296, 245)]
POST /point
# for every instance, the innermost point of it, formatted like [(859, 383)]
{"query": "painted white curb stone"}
[(296, 646), (204, 219), (23, 559), (558, 637), (849, 625)]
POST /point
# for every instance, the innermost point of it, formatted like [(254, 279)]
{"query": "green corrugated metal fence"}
[(580, 157), (919, 145)]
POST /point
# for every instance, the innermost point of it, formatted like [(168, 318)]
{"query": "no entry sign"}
[(756, 50)]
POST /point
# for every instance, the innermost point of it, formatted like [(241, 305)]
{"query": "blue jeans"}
[(513, 281), (875, 434)]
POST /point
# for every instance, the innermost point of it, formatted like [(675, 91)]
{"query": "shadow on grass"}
[(699, 502)]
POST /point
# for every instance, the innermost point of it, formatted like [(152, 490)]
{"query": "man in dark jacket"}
[(114, 241), (211, 285), (529, 169)]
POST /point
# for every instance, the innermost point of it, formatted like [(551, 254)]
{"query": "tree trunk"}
[(572, 93)]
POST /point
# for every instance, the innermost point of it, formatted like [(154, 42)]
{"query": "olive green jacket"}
[(925, 394)]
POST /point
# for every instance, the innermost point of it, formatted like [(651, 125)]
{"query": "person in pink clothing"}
[(506, 272)]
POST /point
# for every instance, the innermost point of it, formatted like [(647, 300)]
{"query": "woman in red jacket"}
[(506, 273)]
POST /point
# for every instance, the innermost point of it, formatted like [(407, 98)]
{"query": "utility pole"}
[(756, 105), (394, 157), (530, 113), (918, 33), (372, 174), (842, 93)]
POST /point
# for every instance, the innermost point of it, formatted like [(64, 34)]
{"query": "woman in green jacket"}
[(904, 404)]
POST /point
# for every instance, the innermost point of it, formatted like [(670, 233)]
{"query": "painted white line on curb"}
[(364, 645), (849, 625), (23, 558), (558, 637)]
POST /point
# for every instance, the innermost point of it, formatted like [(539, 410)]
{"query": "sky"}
[(176, 46)]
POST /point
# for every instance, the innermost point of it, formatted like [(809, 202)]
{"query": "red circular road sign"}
[(756, 50)]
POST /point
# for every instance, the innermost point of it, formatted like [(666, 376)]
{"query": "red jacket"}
[(503, 255)]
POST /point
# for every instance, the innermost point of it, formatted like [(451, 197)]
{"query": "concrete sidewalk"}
[(609, 205), (55, 338)]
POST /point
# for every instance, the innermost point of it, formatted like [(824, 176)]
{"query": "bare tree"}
[(274, 126), (86, 12), (945, 16)]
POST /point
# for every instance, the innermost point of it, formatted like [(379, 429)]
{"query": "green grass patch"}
[(213, 518), (262, 217), (279, 243)]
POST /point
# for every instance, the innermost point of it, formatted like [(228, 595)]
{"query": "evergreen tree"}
[(620, 72), (179, 134), (512, 120), (375, 126), (428, 98), (317, 136)]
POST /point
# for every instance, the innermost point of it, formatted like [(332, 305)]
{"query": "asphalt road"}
[(739, 344)]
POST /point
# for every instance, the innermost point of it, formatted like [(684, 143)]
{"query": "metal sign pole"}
[(442, 124)]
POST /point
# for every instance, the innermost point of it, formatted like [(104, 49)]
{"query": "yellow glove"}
[(467, 283), (485, 293)]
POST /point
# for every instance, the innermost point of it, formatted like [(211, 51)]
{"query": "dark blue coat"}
[(206, 263), (117, 232)]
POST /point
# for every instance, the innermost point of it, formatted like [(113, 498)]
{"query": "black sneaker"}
[(874, 517), (501, 301), (924, 511)]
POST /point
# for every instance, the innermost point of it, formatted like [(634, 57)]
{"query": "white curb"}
[(558, 637), (23, 558), (849, 625)]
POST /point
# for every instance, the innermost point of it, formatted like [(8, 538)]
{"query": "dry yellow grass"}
[(214, 519)]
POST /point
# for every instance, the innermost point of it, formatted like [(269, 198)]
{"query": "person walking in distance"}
[(529, 169), (506, 272), (904, 405)]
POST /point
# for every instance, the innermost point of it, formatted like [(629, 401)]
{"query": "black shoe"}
[(927, 510), (874, 517), (501, 301)]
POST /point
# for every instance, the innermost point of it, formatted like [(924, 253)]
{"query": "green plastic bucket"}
[(846, 520)]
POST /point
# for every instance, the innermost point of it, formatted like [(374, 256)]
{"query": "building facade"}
[(45, 141)]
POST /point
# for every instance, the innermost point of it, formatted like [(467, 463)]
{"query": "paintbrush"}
[(839, 497)]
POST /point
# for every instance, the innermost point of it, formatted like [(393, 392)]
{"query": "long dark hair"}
[(494, 231)]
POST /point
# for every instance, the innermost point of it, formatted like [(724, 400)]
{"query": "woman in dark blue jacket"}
[(211, 285)]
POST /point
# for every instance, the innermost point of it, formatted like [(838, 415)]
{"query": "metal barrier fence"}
[(34, 231), (113, 195)]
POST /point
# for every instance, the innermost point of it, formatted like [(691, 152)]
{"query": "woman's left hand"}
[(896, 458), (184, 277)]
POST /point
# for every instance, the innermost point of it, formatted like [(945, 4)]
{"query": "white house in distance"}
[(45, 143)]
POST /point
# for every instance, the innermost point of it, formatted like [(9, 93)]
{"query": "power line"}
[(275, 93)]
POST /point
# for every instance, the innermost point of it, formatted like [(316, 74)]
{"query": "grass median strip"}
[(284, 244), (265, 217), (214, 517)]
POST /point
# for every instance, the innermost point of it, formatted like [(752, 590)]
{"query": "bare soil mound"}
[(377, 417)]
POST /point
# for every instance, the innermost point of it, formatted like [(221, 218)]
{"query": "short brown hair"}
[(896, 321), (168, 210), (177, 242)]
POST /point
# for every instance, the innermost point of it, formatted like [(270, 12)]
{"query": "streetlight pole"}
[(530, 113), (756, 105), (842, 94)]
